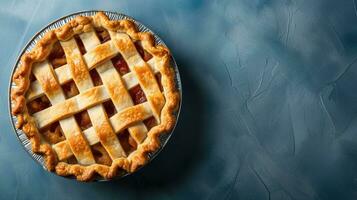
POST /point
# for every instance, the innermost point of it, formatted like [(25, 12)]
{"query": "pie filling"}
[(80, 44), (95, 77), (143, 53), (57, 57), (70, 89), (110, 108), (102, 34), (120, 65), (53, 133)]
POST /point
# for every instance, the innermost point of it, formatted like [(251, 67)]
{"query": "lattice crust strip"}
[(90, 98)]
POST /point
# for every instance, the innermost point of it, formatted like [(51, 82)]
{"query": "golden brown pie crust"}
[(41, 52)]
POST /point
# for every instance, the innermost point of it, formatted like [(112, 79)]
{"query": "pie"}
[(93, 97)]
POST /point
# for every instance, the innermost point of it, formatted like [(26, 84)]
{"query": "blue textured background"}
[(269, 109)]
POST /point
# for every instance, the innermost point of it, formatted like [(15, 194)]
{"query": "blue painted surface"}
[(269, 107)]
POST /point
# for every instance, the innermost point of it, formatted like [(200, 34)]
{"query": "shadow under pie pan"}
[(163, 138)]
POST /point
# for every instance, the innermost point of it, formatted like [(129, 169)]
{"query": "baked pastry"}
[(93, 97)]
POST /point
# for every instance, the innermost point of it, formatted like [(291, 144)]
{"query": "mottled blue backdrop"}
[(269, 101)]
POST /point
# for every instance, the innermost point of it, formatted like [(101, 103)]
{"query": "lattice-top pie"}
[(94, 95)]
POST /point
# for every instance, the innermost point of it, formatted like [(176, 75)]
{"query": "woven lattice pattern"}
[(90, 64), (90, 97)]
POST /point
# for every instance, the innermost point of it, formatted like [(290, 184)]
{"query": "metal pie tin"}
[(164, 138)]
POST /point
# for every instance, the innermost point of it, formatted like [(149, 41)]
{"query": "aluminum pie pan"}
[(164, 138)]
